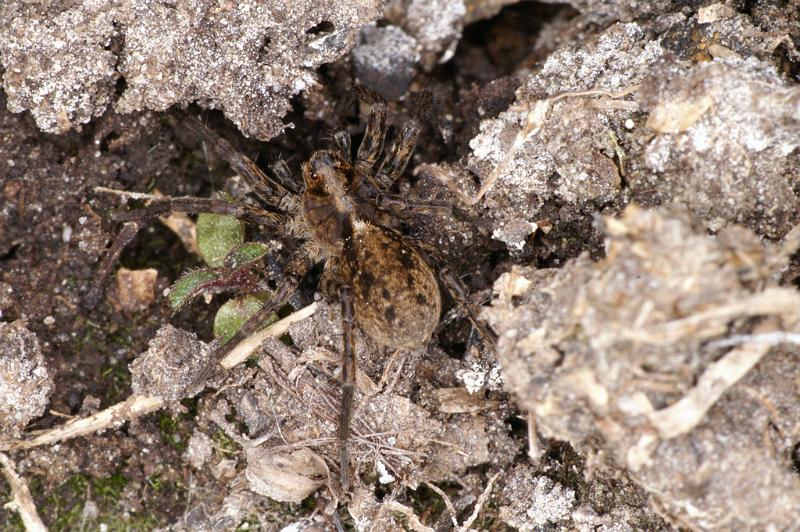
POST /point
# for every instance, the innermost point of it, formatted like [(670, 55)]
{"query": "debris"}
[(534, 501), (22, 501), (170, 368), (140, 405), (246, 58), (462, 401), (285, 476), (199, 449), (136, 289), (725, 160)]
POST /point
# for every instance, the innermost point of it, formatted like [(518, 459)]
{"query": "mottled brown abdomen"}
[(397, 300)]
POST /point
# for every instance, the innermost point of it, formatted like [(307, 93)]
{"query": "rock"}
[(386, 60), (135, 289)]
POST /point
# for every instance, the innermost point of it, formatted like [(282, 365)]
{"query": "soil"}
[(193, 465)]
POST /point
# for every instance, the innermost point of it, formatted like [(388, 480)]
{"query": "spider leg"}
[(163, 206), (459, 293), (282, 173), (399, 206), (372, 143), (123, 238), (343, 144), (298, 266), (396, 160), (348, 382), (268, 189)]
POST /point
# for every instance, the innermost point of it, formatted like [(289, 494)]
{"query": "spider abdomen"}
[(396, 295)]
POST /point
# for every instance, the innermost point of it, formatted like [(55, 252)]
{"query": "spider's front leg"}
[(342, 142), (271, 190), (123, 238), (135, 219), (372, 144), (348, 382), (398, 156), (164, 206)]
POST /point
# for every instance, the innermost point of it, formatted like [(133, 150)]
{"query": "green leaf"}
[(232, 315), (244, 254), (217, 235), (188, 286)]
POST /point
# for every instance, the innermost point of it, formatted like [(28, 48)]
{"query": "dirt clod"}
[(622, 351), (25, 382), (170, 367)]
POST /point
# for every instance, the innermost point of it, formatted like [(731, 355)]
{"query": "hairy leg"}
[(396, 160), (282, 173), (348, 383), (269, 189), (372, 143), (123, 238), (459, 293), (343, 144), (297, 268), (164, 206), (400, 206), (457, 290)]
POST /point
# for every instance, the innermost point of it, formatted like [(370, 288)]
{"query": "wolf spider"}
[(347, 217)]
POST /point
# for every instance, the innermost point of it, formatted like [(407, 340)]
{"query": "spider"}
[(346, 216)]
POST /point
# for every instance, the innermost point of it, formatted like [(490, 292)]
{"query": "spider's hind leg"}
[(348, 383), (459, 293), (123, 238)]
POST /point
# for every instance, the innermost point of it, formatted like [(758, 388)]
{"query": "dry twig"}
[(447, 502), (408, 513), (684, 415), (137, 405), (21, 500), (479, 505)]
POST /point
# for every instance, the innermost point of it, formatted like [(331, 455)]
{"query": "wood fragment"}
[(247, 347), (413, 521), (447, 502), (21, 501), (535, 450), (479, 505), (713, 321), (113, 416)]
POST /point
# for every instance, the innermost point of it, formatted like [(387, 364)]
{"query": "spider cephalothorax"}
[(345, 216)]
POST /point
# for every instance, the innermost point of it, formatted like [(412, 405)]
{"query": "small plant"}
[(232, 265)]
